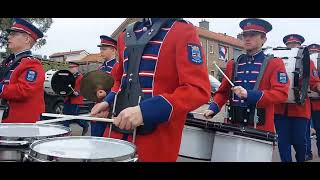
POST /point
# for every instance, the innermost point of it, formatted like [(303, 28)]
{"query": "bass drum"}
[(57, 82), (297, 63), (315, 57)]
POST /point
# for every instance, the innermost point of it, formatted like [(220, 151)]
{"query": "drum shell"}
[(314, 58), (295, 64), (196, 143), (47, 82), (235, 148)]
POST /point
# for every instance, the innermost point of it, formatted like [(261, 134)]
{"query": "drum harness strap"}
[(252, 118), (4, 69), (131, 94)]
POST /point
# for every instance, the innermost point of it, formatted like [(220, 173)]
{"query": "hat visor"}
[(253, 30), (15, 30), (104, 45)]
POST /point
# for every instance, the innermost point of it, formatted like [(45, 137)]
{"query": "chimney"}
[(204, 24)]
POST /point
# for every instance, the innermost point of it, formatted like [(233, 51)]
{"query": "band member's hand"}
[(208, 114), (129, 118), (99, 107), (103, 114), (76, 93), (240, 92), (101, 94), (318, 88)]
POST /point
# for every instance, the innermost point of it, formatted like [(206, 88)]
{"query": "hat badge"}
[(249, 23)]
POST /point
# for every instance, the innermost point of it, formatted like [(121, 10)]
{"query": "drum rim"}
[(45, 157), (30, 139), (244, 137)]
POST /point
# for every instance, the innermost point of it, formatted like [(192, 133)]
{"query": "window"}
[(211, 49), (223, 53), (212, 73), (236, 53)]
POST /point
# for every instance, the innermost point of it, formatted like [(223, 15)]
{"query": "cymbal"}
[(94, 81)]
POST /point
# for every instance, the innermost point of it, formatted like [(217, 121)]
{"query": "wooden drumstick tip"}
[(69, 85)]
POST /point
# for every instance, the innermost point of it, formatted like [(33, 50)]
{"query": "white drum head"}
[(84, 148)]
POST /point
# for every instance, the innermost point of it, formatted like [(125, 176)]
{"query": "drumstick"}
[(223, 73), (71, 88), (198, 113), (72, 117)]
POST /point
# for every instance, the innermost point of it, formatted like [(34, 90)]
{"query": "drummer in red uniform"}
[(291, 119), (260, 81)]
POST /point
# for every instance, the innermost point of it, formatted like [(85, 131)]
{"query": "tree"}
[(42, 23)]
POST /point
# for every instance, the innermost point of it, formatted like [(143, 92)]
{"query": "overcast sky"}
[(68, 34)]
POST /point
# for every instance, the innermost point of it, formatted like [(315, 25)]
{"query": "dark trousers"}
[(308, 139), (98, 128), (73, 109), (291, 131), (316, 125)]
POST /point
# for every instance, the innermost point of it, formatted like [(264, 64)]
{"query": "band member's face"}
[(73, 69), (107, 52), (253, 40), (18, 41), (293, 45)]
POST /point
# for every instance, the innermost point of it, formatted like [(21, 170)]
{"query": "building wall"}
[(58, 59), (75, 57), (211, 51)]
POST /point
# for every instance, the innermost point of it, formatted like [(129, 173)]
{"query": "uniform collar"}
[(255, 56), (149, 21), (25, 52), (106, 61)]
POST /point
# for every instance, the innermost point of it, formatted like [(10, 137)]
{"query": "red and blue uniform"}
[(22, 88), (272, 89), (273, 85), (174, 80)]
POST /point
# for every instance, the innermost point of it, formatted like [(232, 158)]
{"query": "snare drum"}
[(238, 144), (16, 138), (315, 57), (297, 64), (82, 149), (197, 140)]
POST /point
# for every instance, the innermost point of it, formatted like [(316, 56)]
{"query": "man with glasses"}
[(22, 76), (260, 81), (108, 50)]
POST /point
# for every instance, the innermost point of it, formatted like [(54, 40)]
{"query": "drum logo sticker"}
[(282, 78), (195, 54), (31, 75)]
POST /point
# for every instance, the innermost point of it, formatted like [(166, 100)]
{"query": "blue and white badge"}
[(195, 53), (282, 78), (31, 76), (315, 73)]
